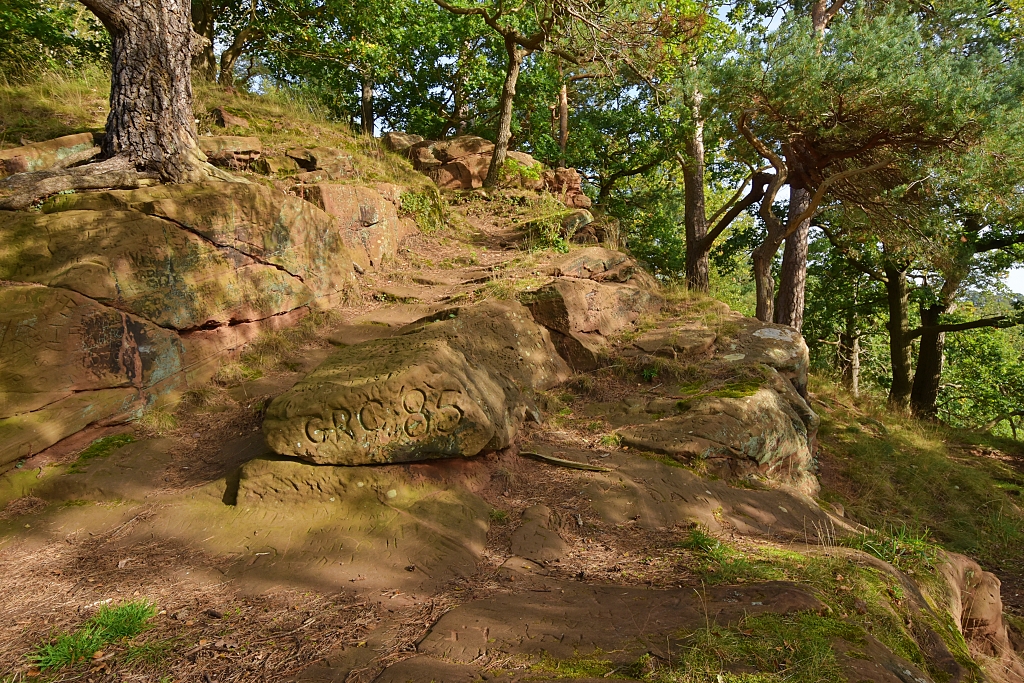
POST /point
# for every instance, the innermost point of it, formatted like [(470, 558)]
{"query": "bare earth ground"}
[(248, 594)]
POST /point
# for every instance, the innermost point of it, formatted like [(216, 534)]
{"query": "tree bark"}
[(366, 105), (508, 96), (900, 342), (928, 374), (204, 64), (764, 281), (151, 122), (793, 278), (695, 207), (563, 123)]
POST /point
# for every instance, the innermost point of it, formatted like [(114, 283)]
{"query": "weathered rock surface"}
[(231, 151), (225, 119), (460, 163), (760, 434), (573, 619), (366, 217), (582, 313), (142, 292), (566, 184), (536, 538), (453, 385), (55, 153), (759, 424), (397, 141), (775, 346), (335, 162), (975, 602)]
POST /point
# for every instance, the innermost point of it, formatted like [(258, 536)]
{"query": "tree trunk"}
[(204, 64), (793, 278), (928, 375), (508, 96), (231, 55), (461, 83), (151, 122), (694, 208), (764, 281), (900, 344), (849, 349), (366, 105), (563, 123)]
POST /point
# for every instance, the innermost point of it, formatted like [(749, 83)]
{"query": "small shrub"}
[(427, 208), (498, 516), (100, 448), (611, 440)]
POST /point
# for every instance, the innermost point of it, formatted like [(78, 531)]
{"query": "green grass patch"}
[(110, 625), (891, 472), (100, 448), (796, 648), (907, 550), (592, 666)]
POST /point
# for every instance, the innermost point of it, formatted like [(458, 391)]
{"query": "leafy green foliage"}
[(48, 34), (109, 625)]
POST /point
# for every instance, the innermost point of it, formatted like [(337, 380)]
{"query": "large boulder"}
[(397, 141), (114, 299), (367, 218), (40, 156), (455, 384), (335, 162), (567, 185)]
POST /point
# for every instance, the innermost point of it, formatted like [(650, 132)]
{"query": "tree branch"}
[(999, 321), (760, 181)]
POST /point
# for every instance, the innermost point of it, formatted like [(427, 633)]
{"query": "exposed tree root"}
[(22, 190)]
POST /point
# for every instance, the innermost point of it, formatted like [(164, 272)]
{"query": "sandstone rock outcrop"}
[(459, 163), (760, 423), (56, 153), (231, 151), (566, 184), (582, 313), (113, 299), (366, 217), (452, 385)]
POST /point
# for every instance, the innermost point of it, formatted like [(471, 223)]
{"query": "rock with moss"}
[(145, 292), (737, 436), (452, 385)]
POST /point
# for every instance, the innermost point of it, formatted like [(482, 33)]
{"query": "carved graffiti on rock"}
[(418, 413)]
